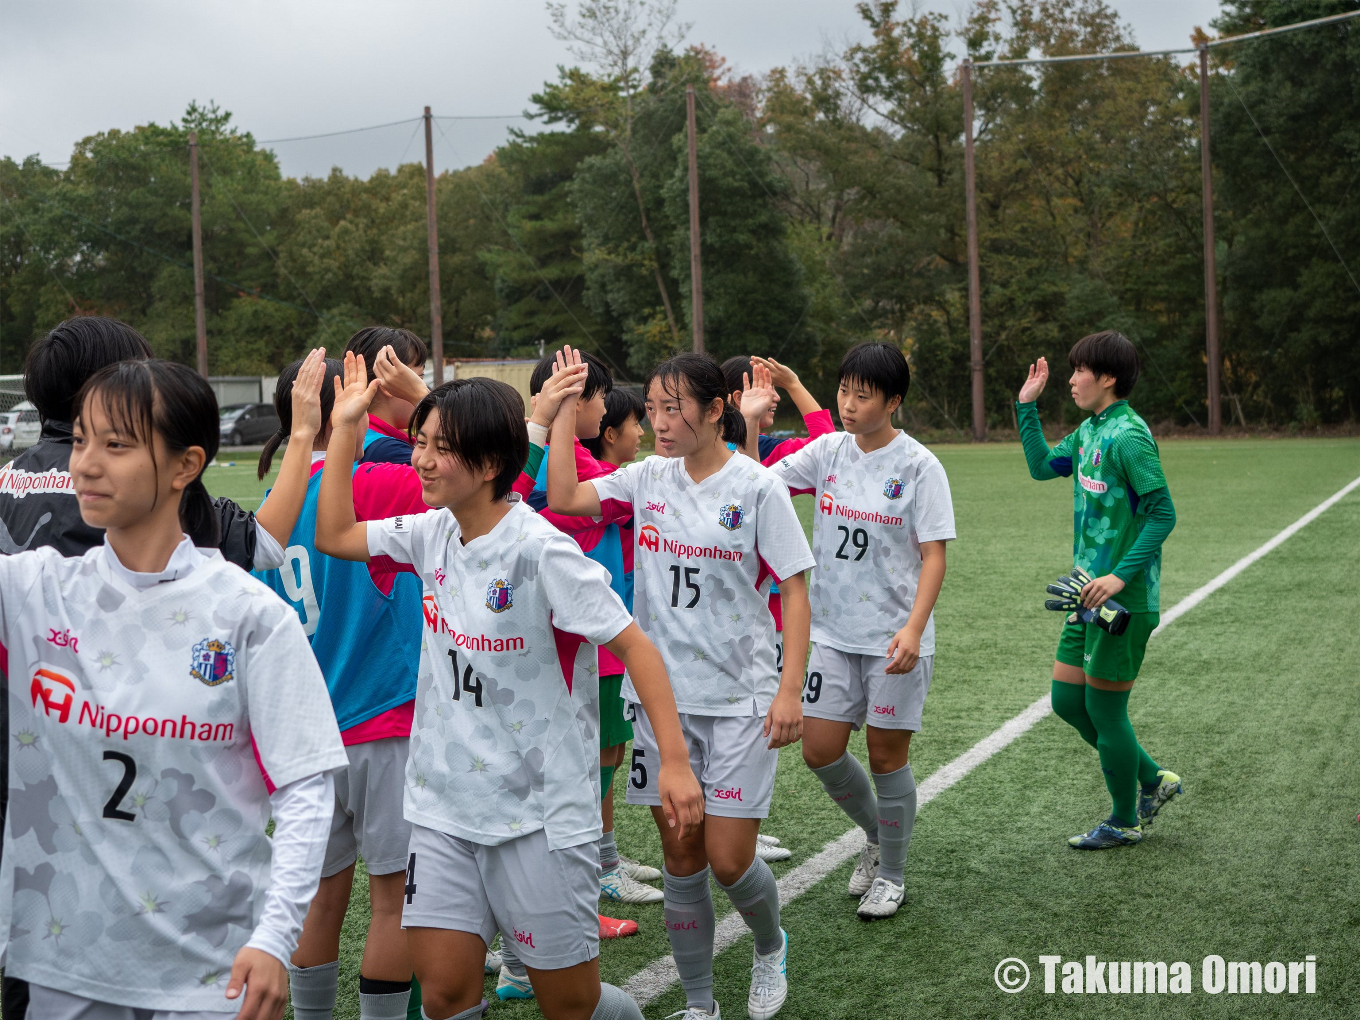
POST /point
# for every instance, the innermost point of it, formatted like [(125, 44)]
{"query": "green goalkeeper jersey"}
[(1113, 461)]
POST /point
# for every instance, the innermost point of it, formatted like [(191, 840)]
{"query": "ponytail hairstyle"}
[(705, 382), (153, 397), (283, 404), (369, 342)]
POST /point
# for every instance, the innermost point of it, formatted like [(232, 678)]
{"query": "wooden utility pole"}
[(200, 311), (432, 230), (696, 276), (974, 284), (1210, 270)]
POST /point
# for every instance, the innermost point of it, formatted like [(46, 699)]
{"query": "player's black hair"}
[(598, 379), (706, 383), (283, 404), (154, 397), (1108, 352), (482, 423), (369, 342), (58, 364), (620, 404), (733, 369), (877, 366)]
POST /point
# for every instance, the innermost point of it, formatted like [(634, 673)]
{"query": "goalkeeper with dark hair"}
[(1123, 514)]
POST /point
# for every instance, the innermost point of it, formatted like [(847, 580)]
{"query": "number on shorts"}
[(859, 539), (111, 809), (410, 888), (812, 688), (637, 772), (467, 685), (690, 574), (298, 585)]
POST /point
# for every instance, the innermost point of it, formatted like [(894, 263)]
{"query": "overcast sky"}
[(71, 68)]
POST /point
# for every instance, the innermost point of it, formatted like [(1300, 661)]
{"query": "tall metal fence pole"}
[(200, 309), (1212, 356), (696, 269), (432, 232), (974, 284)]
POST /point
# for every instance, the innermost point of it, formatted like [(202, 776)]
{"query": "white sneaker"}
[(767, 840), (882, 900), (493, 961), (621, 887), (769, 982), (766, 852), (511, 986), (692, 1013), (642, 872), (866, 870)]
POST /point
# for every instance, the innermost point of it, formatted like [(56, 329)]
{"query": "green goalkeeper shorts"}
[(614, 728), (1100, 654)]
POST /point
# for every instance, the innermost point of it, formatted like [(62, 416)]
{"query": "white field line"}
[(650, 983)]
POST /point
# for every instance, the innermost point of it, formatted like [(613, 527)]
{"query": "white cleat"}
[(694, 1013), (493, 961), (767, 840), (639, 871), (766, 852), (866, 870), (882, 900), (621, 887), (769, 982)]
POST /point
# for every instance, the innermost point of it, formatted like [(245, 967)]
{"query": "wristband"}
[(538, 434)]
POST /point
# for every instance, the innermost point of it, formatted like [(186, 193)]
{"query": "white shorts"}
[(853, 688), (51, 1004), (368, 815), (729, 757), (543, 901)]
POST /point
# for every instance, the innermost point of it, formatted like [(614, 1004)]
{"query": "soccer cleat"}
[(866, 870), (493, 961), (1106, 835), (509, 986), (769, 982), (616, 928), (882, 900), (767, 840), (641, 872), (769, 853), (693, 1013), (621, 887), (1151, 801)]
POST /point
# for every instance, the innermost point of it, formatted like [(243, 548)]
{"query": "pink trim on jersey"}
[(818, 423), (264, 772), (777, 611), (395, 722), (4, 661), (388, 429), (567, 647), (382, 491)]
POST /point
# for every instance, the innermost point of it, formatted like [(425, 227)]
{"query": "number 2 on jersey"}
[(111, 809), (467, 685), (690, 574), (859, 539)]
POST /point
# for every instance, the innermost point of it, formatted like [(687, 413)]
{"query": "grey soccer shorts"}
[(854, 688), (542, 901), (368, 815), (729, 756)]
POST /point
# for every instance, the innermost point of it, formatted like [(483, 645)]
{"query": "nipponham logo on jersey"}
[(214, 662), (893, 487), (649, 538), (500, 595), (827, 504), (730, 516), (55, 690)]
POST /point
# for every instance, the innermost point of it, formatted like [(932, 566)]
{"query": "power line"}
[(332, 134)]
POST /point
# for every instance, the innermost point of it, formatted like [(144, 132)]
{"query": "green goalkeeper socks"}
[(1125, 764), (1069, 704)]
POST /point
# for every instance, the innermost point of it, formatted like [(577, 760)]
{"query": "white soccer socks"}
[(609, 851), (689, 925), (756, 897), (313, 990), (846, 782), (383, 1000), (896, 816), (615, 1004)]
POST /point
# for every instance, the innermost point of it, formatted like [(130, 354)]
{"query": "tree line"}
[(831, 207)]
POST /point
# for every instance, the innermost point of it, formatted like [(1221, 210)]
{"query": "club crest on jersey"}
[(1095, 461), (893, 487), (730, 516), (500, 595), (214, 662)]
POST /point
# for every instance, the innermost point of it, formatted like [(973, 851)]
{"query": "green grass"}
[(1251, 697)]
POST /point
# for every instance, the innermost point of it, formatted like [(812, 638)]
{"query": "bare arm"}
[(681, 799), (566, 494), (905, 648), (279, 513), (338, 532), (784, 721)]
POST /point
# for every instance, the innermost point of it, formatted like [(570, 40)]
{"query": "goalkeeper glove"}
[(1110, 617)]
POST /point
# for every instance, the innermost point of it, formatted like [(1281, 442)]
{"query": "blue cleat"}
[(1152, 799), (1106, 835)]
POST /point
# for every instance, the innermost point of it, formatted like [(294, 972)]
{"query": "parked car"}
[(8, 420), (20, 428), (248, 423)]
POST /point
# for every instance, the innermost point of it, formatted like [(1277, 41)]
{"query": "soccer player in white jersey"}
[(155, 736), (503, 771), (714, 529), (879, 530)]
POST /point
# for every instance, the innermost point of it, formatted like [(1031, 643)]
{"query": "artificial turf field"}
[(1251, 697)]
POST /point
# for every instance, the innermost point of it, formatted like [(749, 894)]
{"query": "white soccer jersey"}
[(137, 809), (700, 593), (873, 512), (506, 733)]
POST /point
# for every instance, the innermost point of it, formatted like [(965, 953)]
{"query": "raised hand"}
[(567, 381), (1034, 384), (307, 396), (757, 393), (398, 380), (780, 375), (352, 400)]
